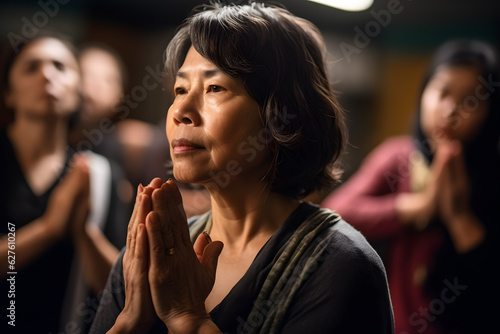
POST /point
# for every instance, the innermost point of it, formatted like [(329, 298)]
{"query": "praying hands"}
[(165, 276)]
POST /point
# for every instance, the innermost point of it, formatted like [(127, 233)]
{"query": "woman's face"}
[(44, 80), (214, 127), (453, 104), (101, 84)]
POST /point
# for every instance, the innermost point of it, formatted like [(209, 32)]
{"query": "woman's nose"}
[(48, 71), (187, 110), (450, 106)]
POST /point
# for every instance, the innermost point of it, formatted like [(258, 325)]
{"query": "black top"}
[(40, 286), (345, 293)]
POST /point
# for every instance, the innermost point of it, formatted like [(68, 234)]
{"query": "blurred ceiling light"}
[(349, 5)]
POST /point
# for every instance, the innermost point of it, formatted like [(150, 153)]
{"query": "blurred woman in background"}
[(433, 198), (55, 206)]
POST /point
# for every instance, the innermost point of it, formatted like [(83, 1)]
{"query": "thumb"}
[(211, 256), (199, 245)]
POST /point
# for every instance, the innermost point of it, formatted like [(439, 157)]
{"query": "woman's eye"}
[(59, 65), (444, 92), (179, 91), (215, 88), (32, 67)]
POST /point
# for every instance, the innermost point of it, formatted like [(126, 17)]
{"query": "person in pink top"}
[(432, 198)]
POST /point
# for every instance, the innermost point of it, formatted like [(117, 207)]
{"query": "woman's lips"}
[(184, 145), (48, 96), (181, 149)]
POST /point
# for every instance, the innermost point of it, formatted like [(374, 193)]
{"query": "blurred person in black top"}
[(62, 205)]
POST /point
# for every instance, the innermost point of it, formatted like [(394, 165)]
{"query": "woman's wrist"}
[(125, 324), (413, 209), (82, 234), (47, 229), (191, 324)]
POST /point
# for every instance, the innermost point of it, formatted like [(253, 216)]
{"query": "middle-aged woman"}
[(255, 121)]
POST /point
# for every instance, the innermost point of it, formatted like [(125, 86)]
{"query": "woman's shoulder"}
[(348, 239), (330, 230), (342, 269), (347, 246)]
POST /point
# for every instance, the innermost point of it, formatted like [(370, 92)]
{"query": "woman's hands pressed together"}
[(138, 313), (447, 197), (164, 274), (69, 204)]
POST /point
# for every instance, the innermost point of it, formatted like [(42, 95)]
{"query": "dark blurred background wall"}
[(377, 56)]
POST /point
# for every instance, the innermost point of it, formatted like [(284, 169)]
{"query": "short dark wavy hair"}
[(280, 58)]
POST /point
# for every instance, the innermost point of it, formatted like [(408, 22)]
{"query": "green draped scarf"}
[(286, 275)]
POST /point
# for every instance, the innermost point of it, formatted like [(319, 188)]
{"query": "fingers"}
[(78, 160), (77, 179), (176, 211), (441, 162), (164, 219), (156, 242), (167, 203), (211, 256), (144, 207), (79, 169), (179, 274), (138, 310), (131, 225), (141, 208), (449, 162), (159, 206), (208, 252), (457, 162), (80, 215), (142, 248), (156, 183), (199, 245)]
